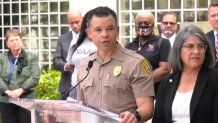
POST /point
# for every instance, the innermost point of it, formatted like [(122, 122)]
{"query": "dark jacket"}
[(204, 101), (211, 37), (26, 75), (60, 60)]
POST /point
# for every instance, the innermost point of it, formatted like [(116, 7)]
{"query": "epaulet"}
[(92, 56), (92, 53), (131, 53)]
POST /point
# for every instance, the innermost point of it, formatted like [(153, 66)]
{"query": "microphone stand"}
[(90, 64)]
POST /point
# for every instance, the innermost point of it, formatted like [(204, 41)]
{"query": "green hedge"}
[(47, 87)]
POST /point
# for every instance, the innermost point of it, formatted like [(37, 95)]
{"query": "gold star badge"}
[(117, 70)]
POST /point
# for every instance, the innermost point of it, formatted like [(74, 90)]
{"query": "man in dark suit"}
[(169, 26), (74, 19), (213, 20)]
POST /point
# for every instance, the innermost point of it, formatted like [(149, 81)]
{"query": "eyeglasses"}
[(171, 23), (191, 47)]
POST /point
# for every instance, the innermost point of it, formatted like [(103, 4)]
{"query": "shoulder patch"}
[(146, 66)]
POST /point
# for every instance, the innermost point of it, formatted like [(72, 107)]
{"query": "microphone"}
[(90, 64)]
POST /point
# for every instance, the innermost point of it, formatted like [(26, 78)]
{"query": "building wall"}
[(85, 5)]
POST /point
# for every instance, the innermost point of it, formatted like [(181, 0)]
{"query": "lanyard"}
[(12, 66)]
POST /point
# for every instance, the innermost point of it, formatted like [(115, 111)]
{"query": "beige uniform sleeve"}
[(142, 79)]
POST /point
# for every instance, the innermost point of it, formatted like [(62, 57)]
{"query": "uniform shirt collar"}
[(117, 54)]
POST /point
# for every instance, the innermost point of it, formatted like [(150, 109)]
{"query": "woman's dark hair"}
[(82, 34)]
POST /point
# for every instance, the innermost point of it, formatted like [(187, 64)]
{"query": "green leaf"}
[(47, 87)]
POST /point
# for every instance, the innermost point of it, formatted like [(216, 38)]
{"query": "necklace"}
[(140, 46)]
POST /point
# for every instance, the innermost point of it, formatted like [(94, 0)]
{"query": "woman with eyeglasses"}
[(190, 93), (152, 47)]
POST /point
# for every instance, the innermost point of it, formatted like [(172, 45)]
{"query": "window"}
[(40, 22), (188, 11)]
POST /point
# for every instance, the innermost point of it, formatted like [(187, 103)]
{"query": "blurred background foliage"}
[(47, 87)]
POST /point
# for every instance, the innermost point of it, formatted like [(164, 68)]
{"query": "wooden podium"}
[(61, 111)]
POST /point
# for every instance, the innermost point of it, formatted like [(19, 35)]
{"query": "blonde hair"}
[(149, 15)]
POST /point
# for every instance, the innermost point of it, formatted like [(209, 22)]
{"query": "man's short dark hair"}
[(14, 31), (101, 12), (213, 4), (168, 13)]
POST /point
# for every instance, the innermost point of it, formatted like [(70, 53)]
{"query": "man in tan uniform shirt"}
[(120, 80)]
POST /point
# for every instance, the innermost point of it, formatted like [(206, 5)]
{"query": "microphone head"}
[(90, 64)]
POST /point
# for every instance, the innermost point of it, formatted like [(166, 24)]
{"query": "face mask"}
[(144, 31)]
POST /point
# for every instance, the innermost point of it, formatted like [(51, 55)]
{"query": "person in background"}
[(74, 18), (169, 26), (213, 34), (190, 93), (111, 84), (81, 49), (151, 46), (19, 74)]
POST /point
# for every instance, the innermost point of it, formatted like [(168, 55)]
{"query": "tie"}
[(71, 50), (74, 40), (216, 45)]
